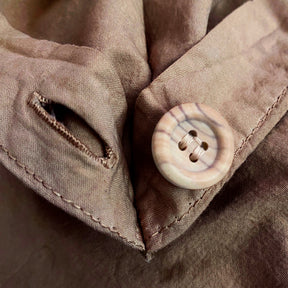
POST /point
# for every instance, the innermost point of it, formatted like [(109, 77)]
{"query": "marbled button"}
[(193, 146)]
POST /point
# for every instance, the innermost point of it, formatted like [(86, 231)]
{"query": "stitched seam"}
[(260, 122), (65, 200), (244, 142), (35, 102)]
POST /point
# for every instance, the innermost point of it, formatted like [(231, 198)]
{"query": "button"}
[(193, 146)]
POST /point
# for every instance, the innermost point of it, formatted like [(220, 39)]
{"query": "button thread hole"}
[(193, 157), (193, 133), (199, 146), (182, 145), (204, 146)]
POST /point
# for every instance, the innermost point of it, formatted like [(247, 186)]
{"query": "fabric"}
[(82, 85)]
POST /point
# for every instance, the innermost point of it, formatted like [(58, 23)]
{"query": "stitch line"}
[(65, 200), (244, 142)]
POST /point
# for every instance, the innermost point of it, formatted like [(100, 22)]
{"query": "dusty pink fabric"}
[(83, 84)]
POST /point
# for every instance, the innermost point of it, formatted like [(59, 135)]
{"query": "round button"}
[(193, 146)]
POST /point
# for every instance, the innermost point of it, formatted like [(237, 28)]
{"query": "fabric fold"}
[(44, 153), (237, 70)]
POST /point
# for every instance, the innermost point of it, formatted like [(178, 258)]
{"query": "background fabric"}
[(239, 241)]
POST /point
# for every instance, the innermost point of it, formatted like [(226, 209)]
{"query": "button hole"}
[(192, 133), (182, 145), (193, 157), (204, 145)]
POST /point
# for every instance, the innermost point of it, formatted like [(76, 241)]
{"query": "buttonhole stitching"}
[(36, 102), (65, 200), (244, 142)]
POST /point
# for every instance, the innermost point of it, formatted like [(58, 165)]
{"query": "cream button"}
[(193, 146)]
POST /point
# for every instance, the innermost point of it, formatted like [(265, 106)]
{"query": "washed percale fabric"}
[(83, 84)]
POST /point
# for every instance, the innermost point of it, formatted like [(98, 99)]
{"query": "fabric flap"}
[(62, 114), (240, 69)]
